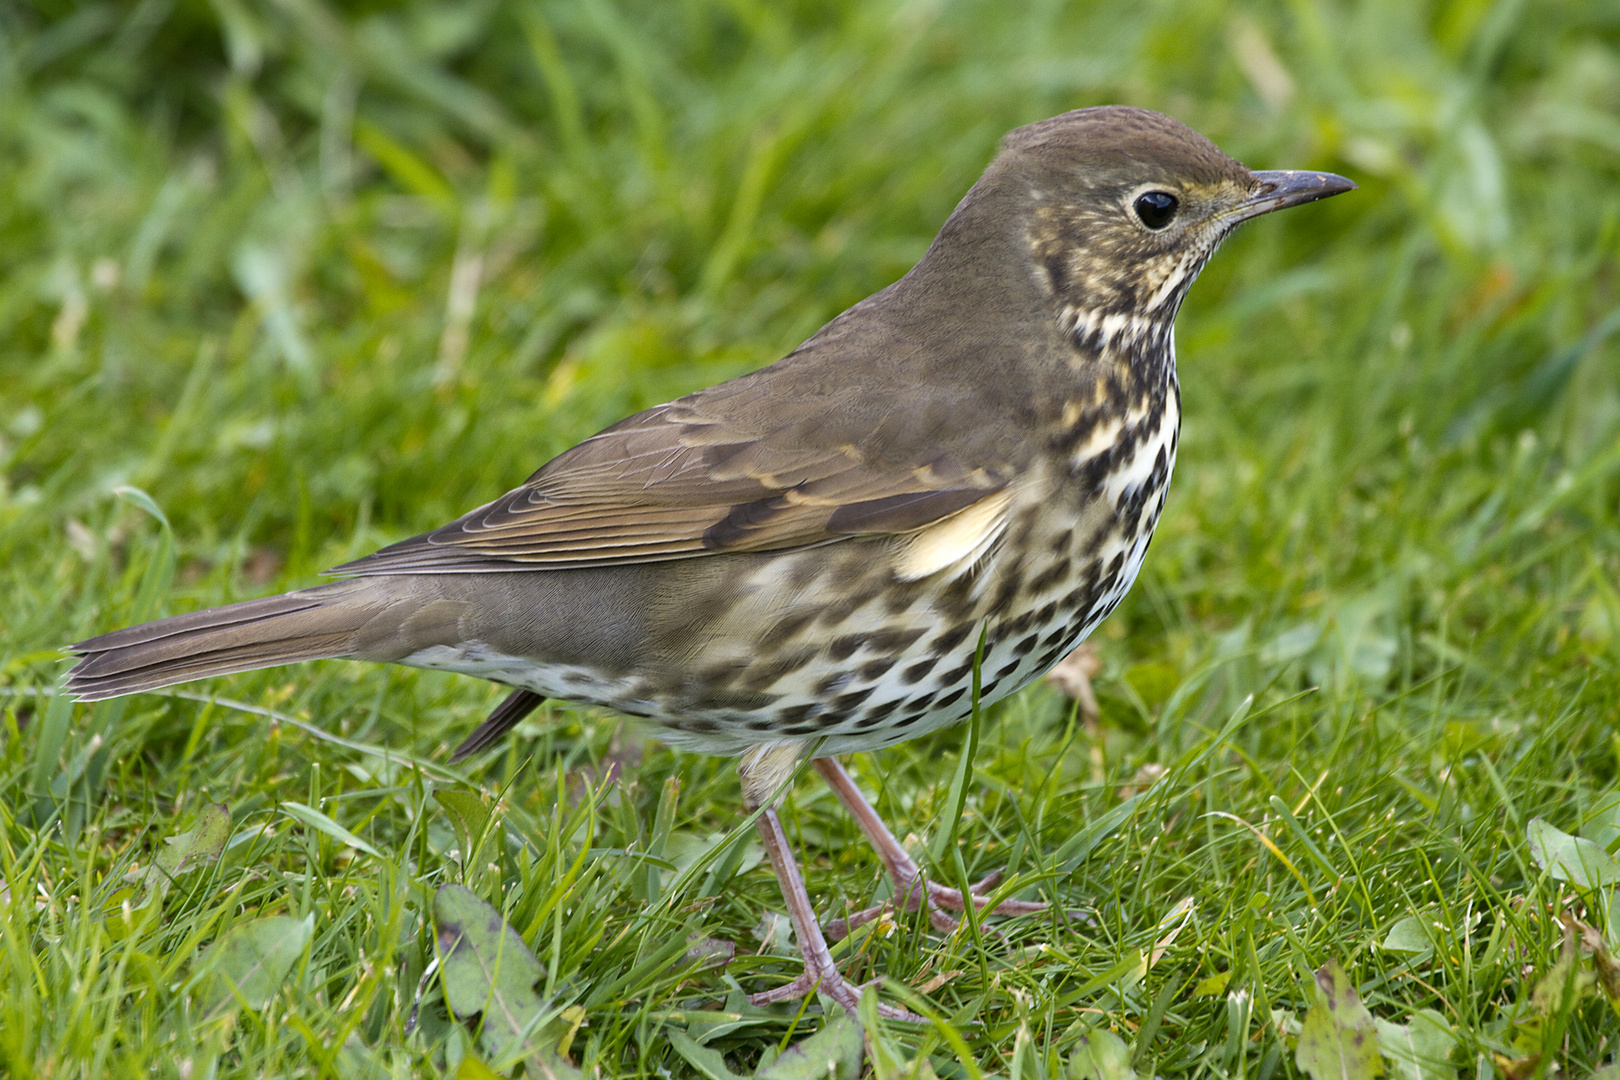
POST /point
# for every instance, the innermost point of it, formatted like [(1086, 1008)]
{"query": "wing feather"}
[(720, 470)]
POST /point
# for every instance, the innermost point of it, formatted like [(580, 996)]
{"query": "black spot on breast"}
[(845, 703), (894, 641), (741, 701), (847, 646), (802, 572), (950, 699), (1062, 542), (949, 641), (1026, 529), (1130, 515), (833, 683), (919, 704), (1051, 576), (907, 720), (956, 675), (764, 674), (898, 600), (784, 629), (871, 721), (1089, 475), (876, 669), (837, 612), (1007, 591), (801, 729), (916, 672), (794, 713), (957, 596), (1023, 647), (1053, 654)]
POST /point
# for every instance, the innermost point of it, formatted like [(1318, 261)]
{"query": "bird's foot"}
[(936, 898), (823, 978)]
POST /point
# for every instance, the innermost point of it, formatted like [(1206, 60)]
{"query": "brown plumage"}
[(802, 560)]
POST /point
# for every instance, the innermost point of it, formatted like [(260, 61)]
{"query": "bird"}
[(957, 477)]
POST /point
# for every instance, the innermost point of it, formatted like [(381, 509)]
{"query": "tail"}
[(311, 624)]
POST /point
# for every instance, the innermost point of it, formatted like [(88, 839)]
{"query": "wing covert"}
[(703, 474)]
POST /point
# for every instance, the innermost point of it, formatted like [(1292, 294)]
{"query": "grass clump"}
[(285, 282)]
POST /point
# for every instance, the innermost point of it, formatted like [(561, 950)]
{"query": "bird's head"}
[(1122, 207)]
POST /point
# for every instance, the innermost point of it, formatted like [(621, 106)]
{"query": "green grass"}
[(318, 278)]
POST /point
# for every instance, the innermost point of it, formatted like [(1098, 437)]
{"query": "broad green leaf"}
[(1602, 824), (1569, 858), (466, 808), (833, 1053), (486, 968), (706, 1061), (182, 852), (203, 842), (320, 822), (1338, 1040), (705, 1026), (1410, 935), (1101, 1055), (1420, 1049), (249, 964), (1213, 986), (710, 952), (473, 1069)]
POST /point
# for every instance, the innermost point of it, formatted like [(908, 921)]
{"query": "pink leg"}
[(763, 770), (820, 973), (911, 888)]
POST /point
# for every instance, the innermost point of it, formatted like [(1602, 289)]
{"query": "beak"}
[(1281, 189)]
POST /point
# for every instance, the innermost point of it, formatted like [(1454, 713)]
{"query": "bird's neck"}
[(1137, 348)]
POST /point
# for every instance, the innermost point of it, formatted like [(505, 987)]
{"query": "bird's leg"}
[(911, 889), (763, 770)]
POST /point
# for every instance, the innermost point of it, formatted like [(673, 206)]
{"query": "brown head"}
[(1126, 205), (1113, 211)]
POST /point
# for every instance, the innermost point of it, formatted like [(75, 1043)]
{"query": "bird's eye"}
[(1156, 208)]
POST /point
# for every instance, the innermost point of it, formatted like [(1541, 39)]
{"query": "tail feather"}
[(311, 624), (517, 705), (219, 618)]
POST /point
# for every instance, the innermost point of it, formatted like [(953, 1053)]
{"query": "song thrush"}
[(801, 560)]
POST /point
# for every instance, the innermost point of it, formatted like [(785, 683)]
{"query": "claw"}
[(820, 973), (938, 897), (818, 980), (910, 888)]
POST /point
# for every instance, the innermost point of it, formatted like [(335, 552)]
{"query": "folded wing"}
[(718, 471)]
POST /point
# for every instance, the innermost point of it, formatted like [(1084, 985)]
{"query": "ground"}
[(283, 282)]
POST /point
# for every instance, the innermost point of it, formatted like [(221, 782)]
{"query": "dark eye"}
[(1156, 208)]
